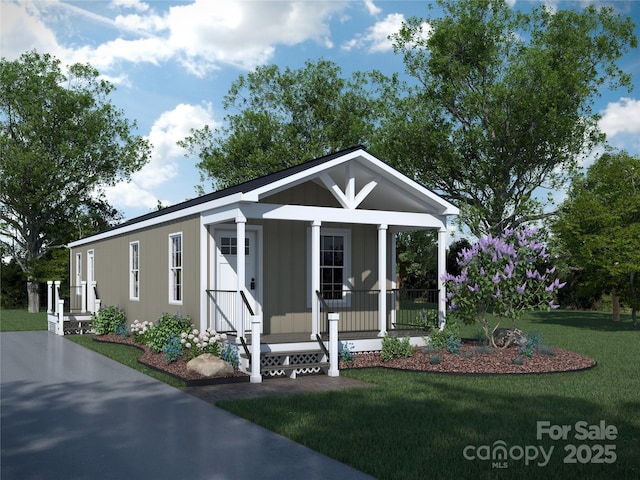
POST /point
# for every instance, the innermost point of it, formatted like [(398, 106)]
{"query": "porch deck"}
[(279, 338)]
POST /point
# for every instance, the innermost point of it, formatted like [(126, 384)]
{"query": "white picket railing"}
[(88, 303)]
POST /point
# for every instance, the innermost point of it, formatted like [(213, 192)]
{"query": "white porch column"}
[(49, 296), (60, 313), (83, 296), (382, 280), (442, 268), (56, 296), (204, 276), (315, 278), (240, 273), (333, 345), (256, 325), (393, 276)]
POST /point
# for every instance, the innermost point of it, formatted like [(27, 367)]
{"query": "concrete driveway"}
[(70, 413)]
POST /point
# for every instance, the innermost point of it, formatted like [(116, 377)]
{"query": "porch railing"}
[(414, 308), (358, 309), (82, 299), (222, 311)]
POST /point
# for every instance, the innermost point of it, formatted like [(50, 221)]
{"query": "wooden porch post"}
[(315, 278), (382, 280), (442, 268), (240, 273)]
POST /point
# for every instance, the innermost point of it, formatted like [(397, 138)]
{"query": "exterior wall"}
[(286, 307), (111, 257)]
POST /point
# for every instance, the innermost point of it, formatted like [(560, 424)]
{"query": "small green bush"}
[(172, 349), (393, 347), (167, 326), (108, 320), (439, 338), (519, 360), (435, 360)]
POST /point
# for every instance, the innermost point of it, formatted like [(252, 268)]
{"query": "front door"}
[(226, 279)]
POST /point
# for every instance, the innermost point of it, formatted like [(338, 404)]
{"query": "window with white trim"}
[(175, 268), (335, 266), (134, 270), (332, 266)]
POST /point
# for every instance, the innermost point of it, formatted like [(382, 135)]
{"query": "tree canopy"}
[(61, 142), (280, 118), (598, 226), (502, 103)]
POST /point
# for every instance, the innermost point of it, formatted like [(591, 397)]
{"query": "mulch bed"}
[(177, 369), (470, 361)]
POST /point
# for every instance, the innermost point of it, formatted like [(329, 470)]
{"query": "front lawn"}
[(419, 425), (22, 321)]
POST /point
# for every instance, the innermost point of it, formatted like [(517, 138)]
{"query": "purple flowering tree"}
[(504, 276)]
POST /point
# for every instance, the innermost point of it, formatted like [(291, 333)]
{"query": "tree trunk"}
[(615, 300), (33, 292)]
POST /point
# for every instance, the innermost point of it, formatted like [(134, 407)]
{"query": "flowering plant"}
[(505, 276), (139, 330), (196, 343)]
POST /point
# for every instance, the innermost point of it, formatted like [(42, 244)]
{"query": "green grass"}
[(22, 321), (416, 425), (412, 425)]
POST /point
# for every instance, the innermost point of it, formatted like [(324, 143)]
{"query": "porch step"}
[(293, 363)]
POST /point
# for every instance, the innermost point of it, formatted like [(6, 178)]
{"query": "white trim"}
[(338, 215), (132, 282), (382, 279), (313, 260), (363, 159), (170, 237)]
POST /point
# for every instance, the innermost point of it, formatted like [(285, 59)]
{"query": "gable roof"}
[(254, 190)]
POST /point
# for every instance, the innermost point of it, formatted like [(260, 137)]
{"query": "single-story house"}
[(288, 246)]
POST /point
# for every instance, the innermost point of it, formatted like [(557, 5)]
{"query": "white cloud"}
[(23, 29), (136, 5), (244, 34), (622, 116), (203, 35), (372, 8), (166, 157), (377, 37)]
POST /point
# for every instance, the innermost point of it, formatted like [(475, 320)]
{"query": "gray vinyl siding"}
[(286, 267), (112, 270)]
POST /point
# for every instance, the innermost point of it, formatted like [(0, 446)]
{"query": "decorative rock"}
[(506, 336), (209, 365)]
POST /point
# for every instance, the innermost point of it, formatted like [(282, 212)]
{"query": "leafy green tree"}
[(502, 103), (61, 142), (417, 260), (598, 226), (283, 118)]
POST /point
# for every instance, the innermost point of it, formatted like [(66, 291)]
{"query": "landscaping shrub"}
[(108, 320), (393, 347), (167, 326), (172, 349), (439, 338), (196, 343)]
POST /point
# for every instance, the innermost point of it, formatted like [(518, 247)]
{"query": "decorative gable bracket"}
[(348, 198)]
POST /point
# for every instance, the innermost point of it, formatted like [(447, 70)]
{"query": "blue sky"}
[(173, 62)]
